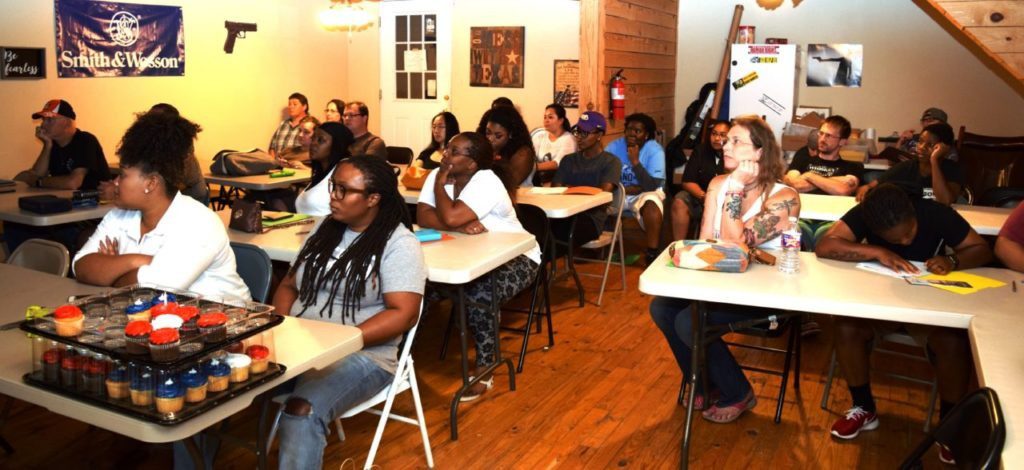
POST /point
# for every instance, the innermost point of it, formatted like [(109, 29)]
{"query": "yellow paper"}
[(977, 282)]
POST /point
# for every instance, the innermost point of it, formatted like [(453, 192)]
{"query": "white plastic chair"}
[(42, 255), (405, 379), (609, 239)]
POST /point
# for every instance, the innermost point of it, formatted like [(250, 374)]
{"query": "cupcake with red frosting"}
[(213, 326), (260, 356), (51, 365), (68, 320), (164, 344), (136, 337), (163, 309)]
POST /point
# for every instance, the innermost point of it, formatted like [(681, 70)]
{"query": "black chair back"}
[(974, 431), (535, 221), (990, 162), (399, 155), (254, 267)]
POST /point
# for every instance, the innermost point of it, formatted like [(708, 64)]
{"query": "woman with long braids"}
[(361, 266), (327, 147), (461, 195)]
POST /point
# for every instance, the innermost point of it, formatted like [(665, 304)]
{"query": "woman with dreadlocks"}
[(361, 266), (462, 195)]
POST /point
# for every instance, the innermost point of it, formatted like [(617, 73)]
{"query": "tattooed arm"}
[(839, 243), (767, 224)]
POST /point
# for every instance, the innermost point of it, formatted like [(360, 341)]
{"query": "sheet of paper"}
[(876, 267), (546, 190), (977, 282), (415, 60)]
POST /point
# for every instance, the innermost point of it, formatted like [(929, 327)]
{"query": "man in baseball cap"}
[(908, 138), (70, 158), (55, 108), (590, 165)]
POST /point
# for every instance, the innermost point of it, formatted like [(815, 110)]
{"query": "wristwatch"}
[(953, 258)]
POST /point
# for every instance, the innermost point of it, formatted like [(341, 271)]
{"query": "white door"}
[(415, 75)]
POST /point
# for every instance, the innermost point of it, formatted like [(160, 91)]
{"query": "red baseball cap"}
[(55, 108)]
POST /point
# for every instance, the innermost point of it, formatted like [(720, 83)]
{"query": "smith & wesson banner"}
[(108, 39)]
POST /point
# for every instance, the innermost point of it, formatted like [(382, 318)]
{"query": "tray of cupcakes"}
[(154, 353)]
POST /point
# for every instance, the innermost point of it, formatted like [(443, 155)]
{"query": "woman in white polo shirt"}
[(464, 195), (157, 235)]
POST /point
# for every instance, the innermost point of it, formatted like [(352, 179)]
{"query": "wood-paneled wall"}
[(638, 36), (996, 27)]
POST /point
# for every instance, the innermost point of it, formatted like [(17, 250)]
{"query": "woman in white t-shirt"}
[(464, 195), (554, 143), (328, 146), (157, 235)]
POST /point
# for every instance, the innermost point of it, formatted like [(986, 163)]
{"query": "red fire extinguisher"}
[(618, 90)]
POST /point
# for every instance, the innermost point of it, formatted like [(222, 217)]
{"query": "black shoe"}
[(650, 255)]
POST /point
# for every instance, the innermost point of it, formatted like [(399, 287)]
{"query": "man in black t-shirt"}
[(826, 173), (933, 175), (70, 158), (703, 166), (589, 166), (898, 230)]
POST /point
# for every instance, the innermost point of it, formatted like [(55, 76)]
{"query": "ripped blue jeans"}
[(331, 391)]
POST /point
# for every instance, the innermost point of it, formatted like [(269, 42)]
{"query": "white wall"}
[(910, 62), (237, 97), (552, 32)]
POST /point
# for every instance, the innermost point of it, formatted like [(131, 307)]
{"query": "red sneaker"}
[(945, 455), (857, 419)]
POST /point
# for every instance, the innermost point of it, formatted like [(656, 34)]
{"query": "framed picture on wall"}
[(496, 56), (803, 110), (567, 83), (23, 63)]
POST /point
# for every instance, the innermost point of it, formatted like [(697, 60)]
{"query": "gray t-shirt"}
[(578, 170), (401, 270)]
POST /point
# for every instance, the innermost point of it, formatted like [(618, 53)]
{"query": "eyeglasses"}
[(736, 141), (577, 132), (829, 136), (339, 191), (351, 115), (433, 127)]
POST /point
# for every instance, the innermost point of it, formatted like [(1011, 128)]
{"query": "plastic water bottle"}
[(789, 262)]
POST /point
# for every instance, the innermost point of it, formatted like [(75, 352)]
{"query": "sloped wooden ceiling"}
[(994, 27)]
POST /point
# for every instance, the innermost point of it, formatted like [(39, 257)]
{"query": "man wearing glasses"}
[(701, 168), (356, 117), (590, 165), (825, 173)]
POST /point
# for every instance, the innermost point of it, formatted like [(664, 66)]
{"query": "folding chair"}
[(254, 267), (535, 221), (405, 380), (609, 239), (42, 255), (974, 431), (895, 338)]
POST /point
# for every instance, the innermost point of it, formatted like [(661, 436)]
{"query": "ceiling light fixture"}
[(343, 15)]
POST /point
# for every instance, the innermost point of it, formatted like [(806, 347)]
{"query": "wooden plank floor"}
[(604, 396)]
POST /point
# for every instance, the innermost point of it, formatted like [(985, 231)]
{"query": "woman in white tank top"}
[(749, 206)]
